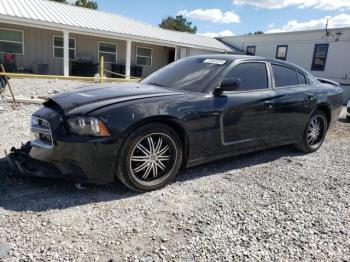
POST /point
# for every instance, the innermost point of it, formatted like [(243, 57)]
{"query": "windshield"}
[(189, 74)]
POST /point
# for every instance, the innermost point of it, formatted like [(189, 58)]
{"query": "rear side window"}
[(284, 76), (302, 79), (253, 76)]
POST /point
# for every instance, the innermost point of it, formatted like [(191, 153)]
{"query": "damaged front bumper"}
[(22, 164), (77, 162), (55, 154)]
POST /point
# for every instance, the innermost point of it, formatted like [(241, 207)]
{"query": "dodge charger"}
[(193, 111)]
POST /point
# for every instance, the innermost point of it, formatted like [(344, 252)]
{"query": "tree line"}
[(82, 3)]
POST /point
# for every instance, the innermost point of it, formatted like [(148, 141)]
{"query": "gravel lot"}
[(276, 205)]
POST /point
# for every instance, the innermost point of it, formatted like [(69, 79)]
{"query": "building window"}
[(143, 56), (320, 57), (58, 48), (108, 51), (251, 50), (281, 52), (11, 41)]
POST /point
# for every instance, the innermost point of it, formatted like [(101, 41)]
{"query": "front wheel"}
[(315, 133), (150, 158)]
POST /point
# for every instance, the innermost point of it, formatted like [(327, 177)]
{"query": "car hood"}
[(87, 99)]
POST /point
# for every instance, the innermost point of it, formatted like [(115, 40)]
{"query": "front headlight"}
[(87, 126)]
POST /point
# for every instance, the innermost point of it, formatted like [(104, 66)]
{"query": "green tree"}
[(87, 4), (179, 23), (82, 3)]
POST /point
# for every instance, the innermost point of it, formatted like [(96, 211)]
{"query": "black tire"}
[(348, 117), (309, 142), (136, 158)]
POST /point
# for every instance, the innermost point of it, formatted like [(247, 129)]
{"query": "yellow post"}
[(102, 69)]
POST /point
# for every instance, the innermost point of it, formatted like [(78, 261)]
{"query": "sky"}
[(236, 17)]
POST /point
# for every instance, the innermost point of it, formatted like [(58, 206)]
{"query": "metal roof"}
[(78, 19)]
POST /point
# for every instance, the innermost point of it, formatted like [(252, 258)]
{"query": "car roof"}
[(227, 57)]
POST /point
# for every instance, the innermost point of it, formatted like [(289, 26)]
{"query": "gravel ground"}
[(276, 205), (38, 87)]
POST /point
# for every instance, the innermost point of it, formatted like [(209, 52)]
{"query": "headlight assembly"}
[(87, 126)]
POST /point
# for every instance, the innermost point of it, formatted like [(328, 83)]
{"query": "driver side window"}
[(253, 76)]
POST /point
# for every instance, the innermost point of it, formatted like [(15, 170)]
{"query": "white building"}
[(324, 53), (47, 37)]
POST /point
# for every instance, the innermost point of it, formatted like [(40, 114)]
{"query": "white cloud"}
[(218, 34), (277, 4), (212, 15), (327, 4), (341, 20)]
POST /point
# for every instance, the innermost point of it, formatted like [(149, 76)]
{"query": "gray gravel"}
[(38, 87), (276, 205)]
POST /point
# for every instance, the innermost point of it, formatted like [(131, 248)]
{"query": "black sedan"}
[(194, 110)]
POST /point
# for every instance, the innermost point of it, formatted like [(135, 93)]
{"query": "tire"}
[(150, 158), (348, 117), (314, 133)]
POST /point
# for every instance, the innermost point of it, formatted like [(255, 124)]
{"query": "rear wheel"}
[(314, 134), (150, 158)]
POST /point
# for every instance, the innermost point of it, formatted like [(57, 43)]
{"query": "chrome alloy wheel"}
[(315, 130), (153, 158)]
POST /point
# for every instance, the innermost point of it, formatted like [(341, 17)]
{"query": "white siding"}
[(301, 49), (38, 49)]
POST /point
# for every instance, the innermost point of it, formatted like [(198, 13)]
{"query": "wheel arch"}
[(171, 122), (326, 109)]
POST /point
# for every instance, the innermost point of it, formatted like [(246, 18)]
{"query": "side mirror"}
[(228, 84)]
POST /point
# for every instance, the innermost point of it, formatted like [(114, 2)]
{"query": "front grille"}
[(43, 123), (42, 131)]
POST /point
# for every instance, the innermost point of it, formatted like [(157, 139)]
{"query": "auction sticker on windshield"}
[(214, 61)]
